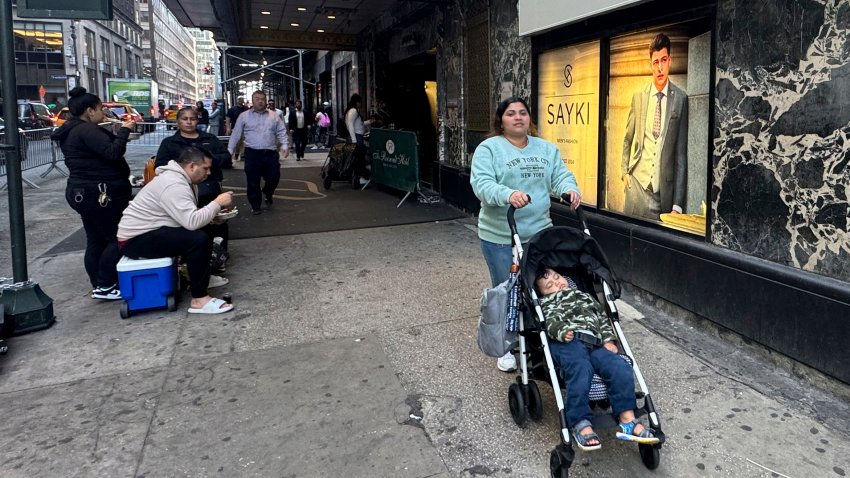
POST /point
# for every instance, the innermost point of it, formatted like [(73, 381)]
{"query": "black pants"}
[(265, 164), (299, 141), (101, 225), (195, 247)]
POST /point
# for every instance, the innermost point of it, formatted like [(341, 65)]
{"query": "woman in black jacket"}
[(98, 185), (188, 135)]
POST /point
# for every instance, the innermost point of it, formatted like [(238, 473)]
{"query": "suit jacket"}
[(293, 119), (674, 151)]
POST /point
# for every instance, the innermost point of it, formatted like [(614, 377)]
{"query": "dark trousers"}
[(299, 141), (577, 363), (195, 247), (641, 202), (101, 225), (265, 164)]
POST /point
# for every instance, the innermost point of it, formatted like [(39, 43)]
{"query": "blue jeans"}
[(577, 365), (499, 258)]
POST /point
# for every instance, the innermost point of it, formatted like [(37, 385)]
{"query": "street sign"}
[(79, 9)]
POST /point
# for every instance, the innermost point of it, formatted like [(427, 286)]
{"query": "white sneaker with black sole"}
[(106, 293), (506, 363)]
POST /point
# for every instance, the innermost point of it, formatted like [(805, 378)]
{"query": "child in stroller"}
[(584, 344), (576, 256)]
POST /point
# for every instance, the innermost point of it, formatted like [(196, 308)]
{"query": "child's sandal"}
[(627, 433), (582, 441)]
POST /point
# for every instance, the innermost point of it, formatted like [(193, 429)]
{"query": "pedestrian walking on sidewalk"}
[(98, 186), (513, 167), (262, 131), (299, 127)]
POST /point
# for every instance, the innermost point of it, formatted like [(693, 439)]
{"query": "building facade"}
[(53, 56), (169, 53), (761, 127), (208, 73)]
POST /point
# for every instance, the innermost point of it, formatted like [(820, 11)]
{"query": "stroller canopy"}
[(566, 247)]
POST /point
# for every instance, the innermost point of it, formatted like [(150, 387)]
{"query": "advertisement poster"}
[(657, 125), (568, 107), (136, 93)]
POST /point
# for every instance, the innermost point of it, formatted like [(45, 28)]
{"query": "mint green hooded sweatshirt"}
[(499, 168)]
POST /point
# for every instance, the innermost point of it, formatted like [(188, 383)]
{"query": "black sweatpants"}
[(195, 247)]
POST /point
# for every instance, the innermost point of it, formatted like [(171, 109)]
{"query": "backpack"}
[(324, 121)]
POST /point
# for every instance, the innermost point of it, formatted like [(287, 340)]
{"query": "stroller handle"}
[(565, 198), (511, 220)]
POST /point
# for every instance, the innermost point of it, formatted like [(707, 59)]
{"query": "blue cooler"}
[(147, 284)]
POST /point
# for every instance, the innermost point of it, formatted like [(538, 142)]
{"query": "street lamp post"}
[(23, 305)]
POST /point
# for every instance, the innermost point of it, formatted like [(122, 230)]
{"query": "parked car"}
[(32, 115), (126, 111)]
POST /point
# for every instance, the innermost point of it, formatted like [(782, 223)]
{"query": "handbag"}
[(493, 338)]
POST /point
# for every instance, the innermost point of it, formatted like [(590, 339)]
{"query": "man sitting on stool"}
[(163, 220)]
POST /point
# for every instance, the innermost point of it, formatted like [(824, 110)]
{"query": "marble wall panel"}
[(510, 54), (781, 179)]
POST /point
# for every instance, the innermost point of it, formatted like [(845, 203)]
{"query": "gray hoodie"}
[(170, 200)]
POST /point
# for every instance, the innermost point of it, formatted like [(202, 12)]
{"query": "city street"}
[(352, 353)]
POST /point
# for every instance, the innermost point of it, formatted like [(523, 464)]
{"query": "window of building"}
[(91, 49), (634, 152)]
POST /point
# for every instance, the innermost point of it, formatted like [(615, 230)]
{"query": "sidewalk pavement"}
[(352, 353)]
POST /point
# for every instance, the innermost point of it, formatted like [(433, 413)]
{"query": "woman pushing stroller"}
[(584, 344), (510, 168)]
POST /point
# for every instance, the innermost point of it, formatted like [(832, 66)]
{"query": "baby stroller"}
[(340, 165), (576, 255)]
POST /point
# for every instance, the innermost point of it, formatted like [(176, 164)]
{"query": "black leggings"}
[(195, 247), (101, 225)]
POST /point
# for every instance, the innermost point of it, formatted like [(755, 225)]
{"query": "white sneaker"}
[(363, 181), (217, 281), (506, 363)]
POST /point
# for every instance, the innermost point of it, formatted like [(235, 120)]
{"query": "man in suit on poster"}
[(655, 150)]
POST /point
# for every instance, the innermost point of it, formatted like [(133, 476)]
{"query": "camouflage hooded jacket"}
[(571, 309)]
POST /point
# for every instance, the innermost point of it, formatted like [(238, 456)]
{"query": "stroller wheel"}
[(327, 181), (535, 403), (516, 402), (560, 460), (650, 455)]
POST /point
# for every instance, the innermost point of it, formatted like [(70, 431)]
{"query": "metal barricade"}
[(36, 150)]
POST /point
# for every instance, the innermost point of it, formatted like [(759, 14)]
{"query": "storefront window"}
[(658, 125), (568, 100)]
